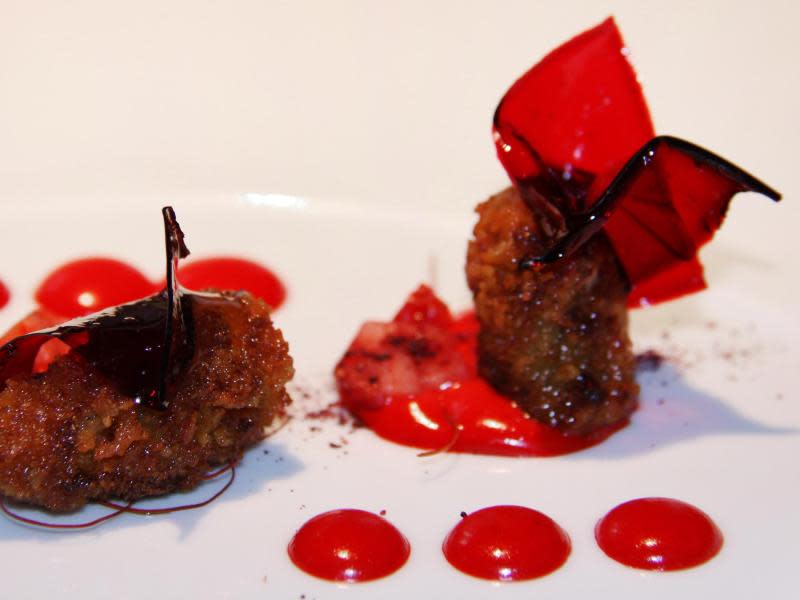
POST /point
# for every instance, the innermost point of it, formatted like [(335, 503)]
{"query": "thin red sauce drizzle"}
[(87, 285), (4, 295), (658, 534), (507, 543), (349, 545), (118, 509), (468, 415)]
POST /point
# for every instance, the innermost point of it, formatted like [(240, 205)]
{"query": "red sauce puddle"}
[(507, 543), (658, 534), (469, 416), (349, 545), (84, 286)]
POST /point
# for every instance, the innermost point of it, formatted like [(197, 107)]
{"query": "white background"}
[(375, 119)]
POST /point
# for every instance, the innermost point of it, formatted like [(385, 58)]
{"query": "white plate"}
[(383, 116), (718, 425)]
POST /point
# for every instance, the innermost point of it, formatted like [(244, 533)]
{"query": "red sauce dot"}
[(4, 295), (228, 273), (349, 545), (658, 534), (507, 543), (87, 285)]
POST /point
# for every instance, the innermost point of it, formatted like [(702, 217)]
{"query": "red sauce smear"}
[(459, 414), (507, 543), (4, 295), (349, 545), (658, 534), (85, 286)]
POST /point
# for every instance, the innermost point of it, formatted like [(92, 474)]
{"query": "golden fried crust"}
[(554, 339), (68, 437)]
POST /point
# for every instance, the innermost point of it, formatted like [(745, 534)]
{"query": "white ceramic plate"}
[(718, 426), (375, 120)]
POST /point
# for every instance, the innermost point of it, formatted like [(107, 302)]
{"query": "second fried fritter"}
[(553, 338)]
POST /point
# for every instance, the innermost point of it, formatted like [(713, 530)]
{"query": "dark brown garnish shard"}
[(151, 397), (139, 347), (665, 203)]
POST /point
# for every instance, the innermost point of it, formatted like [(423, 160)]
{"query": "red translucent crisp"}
[(581, 108), (575, 136)]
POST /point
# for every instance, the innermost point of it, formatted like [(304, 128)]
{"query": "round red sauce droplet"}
[(507, 543), (87, 285), (4, 295), (228, 273), (349, 545), (470, 416), (658, 534)]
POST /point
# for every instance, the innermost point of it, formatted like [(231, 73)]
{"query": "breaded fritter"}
[(68, 436), (554, 337)]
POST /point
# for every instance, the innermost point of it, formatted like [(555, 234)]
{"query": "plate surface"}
[(366, 147)]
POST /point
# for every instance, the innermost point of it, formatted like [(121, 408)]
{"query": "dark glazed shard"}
[(139, 346)]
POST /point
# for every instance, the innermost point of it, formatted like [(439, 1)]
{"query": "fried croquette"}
[(553, 338), (68, 437)]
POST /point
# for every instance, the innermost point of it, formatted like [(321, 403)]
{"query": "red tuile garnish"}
[(575, 136)]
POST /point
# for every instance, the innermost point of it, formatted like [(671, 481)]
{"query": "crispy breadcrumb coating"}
[(68, 437), (553, 338)]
